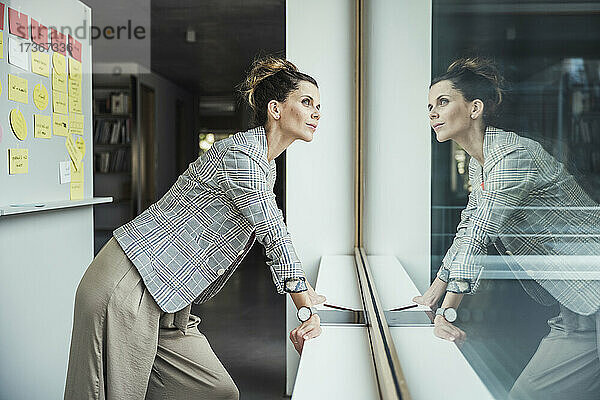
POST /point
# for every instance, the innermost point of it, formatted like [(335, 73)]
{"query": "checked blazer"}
[(186, 245), (526, 203)]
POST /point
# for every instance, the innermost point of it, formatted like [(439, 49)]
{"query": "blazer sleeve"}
[(244, 181), (508, 182), (465, 217)]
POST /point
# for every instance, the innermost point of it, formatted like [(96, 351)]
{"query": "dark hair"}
[(270, 78), (476, 78)]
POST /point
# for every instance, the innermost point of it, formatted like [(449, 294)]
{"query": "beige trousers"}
[(566, 364), (124, 347)]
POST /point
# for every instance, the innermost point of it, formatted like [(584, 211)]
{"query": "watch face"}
[(450, 314), (304, 313)]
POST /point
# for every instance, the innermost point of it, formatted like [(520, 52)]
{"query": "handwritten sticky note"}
[(39, 34), (60, 124), (73, 151), (40, 63), (80, 144), (59, 102), (1, 44), (17, 89), (17, 52), (75, 104), (18, 23), (74, 48), (76, 172), (59, 42), (77, 181), (75, 88), (74, 69), (76, 124), (18, 124), (59, 62), (76, 190), (42, 126), (64, 168), (59, 82), (40, 96), (18, 161)]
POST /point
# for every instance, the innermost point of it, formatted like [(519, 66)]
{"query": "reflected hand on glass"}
[(432, 296), (308, 330), (315, 299), (445, 330)]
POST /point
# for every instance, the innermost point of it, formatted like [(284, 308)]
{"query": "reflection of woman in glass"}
[(527, 204), (133, 334)]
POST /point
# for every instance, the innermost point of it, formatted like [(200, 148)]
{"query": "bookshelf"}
[(115, 150)]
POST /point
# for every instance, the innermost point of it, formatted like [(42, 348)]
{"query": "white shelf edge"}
[(52, 205)]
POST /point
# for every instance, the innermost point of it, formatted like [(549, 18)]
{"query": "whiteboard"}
[(41, 184)]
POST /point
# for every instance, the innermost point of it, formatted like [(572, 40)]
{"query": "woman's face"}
[(300, 112), (449, 112)]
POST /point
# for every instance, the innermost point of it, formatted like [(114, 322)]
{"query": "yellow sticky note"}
[(40, 63), (40, 96), (17, 89), (60, 124), (76, 124), (73, 152), (60, 63), (59, 82), (75, 104), (59, 102), (75, 88), (76, 190), (1, 44), (42, 126), (74, 69), (80, 144), (19, 161), (76, 172), (18, 124)]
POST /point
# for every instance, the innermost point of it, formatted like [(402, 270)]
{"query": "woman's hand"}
[(433, 295), (309, 329), (445, 330), (315, 299)]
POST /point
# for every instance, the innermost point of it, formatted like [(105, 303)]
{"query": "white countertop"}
[(337, 365)]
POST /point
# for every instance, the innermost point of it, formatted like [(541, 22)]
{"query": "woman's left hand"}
[(309, 329), (445, 330)]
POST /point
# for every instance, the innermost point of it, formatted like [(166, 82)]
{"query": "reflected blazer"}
[(528, 205), (186, 245)]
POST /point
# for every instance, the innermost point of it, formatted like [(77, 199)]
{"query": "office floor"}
[(245, 325)]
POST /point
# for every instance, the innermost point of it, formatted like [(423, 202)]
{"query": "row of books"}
[(112, 161), (115, 103), (108, 131)]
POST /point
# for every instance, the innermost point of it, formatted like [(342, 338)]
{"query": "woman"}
[(133, 334), (525, 203)]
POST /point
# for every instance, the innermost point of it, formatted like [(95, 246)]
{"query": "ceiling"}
[(229, 35)]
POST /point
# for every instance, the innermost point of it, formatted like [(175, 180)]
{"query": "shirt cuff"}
[(459, 285), (443, 274), (464, 285), (295, 285)]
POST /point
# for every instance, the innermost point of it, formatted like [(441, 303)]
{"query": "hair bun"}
[(483, 67), (262, 69)]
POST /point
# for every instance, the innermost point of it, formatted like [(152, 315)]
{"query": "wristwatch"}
[(304, 313), (448, 313)]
